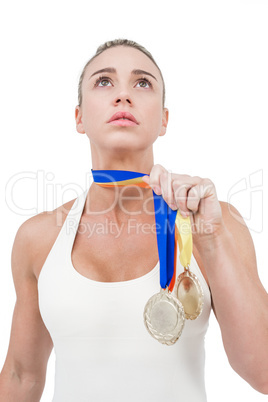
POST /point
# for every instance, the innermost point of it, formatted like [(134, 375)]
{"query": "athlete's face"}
[(129, 83)]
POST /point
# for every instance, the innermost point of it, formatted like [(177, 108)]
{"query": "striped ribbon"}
[(171, 227)]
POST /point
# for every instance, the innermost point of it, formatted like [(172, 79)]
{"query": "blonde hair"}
[(114, 43)]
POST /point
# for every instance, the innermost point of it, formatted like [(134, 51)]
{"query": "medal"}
[(164, 314), (164, 317), (190, 293), (187, 288)]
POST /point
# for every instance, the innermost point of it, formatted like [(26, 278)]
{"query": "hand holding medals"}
[(193, 196), (189, 297), (164, 314)]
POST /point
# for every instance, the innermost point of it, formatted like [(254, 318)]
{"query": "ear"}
[(164, 121), (78, 119)]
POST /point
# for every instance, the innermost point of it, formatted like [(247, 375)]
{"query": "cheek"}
[(92, 112), (154, 116)]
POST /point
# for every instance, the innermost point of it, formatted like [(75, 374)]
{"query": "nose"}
[(123, 98)]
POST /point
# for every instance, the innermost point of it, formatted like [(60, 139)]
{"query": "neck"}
[(121, 200), (118, 159), (118, 201)]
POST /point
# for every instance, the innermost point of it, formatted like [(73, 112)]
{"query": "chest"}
[(110, 251)]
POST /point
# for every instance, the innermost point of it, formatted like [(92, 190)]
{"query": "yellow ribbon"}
[(184, 238)]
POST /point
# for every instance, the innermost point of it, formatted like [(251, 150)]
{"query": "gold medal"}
[(190, 293), (164, 317)]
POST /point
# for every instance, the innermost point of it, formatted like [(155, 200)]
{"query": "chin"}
[(125, 145)]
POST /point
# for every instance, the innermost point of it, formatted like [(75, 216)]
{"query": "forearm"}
[(241, 307), (14, 389)]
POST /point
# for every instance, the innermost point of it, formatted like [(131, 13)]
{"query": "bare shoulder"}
[(237, 226), (234, 220), (36, 236)]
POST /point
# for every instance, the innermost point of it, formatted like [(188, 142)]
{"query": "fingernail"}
[(157, 190), (173, 206), (184, 214), (146, 178)]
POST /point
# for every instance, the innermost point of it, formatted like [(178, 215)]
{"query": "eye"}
[(145, 83), (103, 81)]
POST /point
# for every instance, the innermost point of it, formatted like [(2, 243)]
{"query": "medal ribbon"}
[(171, 227)]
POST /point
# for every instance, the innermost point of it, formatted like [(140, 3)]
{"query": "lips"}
[(123, 116)]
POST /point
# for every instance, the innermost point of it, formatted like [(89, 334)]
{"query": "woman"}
[(82, 284)]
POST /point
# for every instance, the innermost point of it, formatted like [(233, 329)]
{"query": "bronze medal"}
[(190, 293)]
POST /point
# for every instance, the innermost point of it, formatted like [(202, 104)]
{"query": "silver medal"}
[(164, 317)]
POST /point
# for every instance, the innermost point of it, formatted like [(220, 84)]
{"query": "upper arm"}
[(30, 343), (241, 236)]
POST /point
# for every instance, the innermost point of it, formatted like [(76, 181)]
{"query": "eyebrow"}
[(113, 71)]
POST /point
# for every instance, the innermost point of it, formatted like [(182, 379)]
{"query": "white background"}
[(213, 55)]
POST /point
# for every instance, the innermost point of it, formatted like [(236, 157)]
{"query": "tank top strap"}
[(67, 232), (71, 223)]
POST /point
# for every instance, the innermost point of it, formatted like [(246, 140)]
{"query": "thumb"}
[(146, 179)]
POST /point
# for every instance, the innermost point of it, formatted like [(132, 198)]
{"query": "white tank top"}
[(103, 350)]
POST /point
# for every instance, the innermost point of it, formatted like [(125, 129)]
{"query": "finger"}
[(167, 189), (146, 179), (180, 195), (204, 189), (193, 198), (155, 173)]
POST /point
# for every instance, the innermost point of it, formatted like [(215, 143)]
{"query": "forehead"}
[(123, 59)]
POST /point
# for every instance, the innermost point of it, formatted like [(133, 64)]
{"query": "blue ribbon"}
[(164, 217)]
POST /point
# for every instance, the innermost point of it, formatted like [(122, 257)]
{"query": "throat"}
[(120, 203)]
